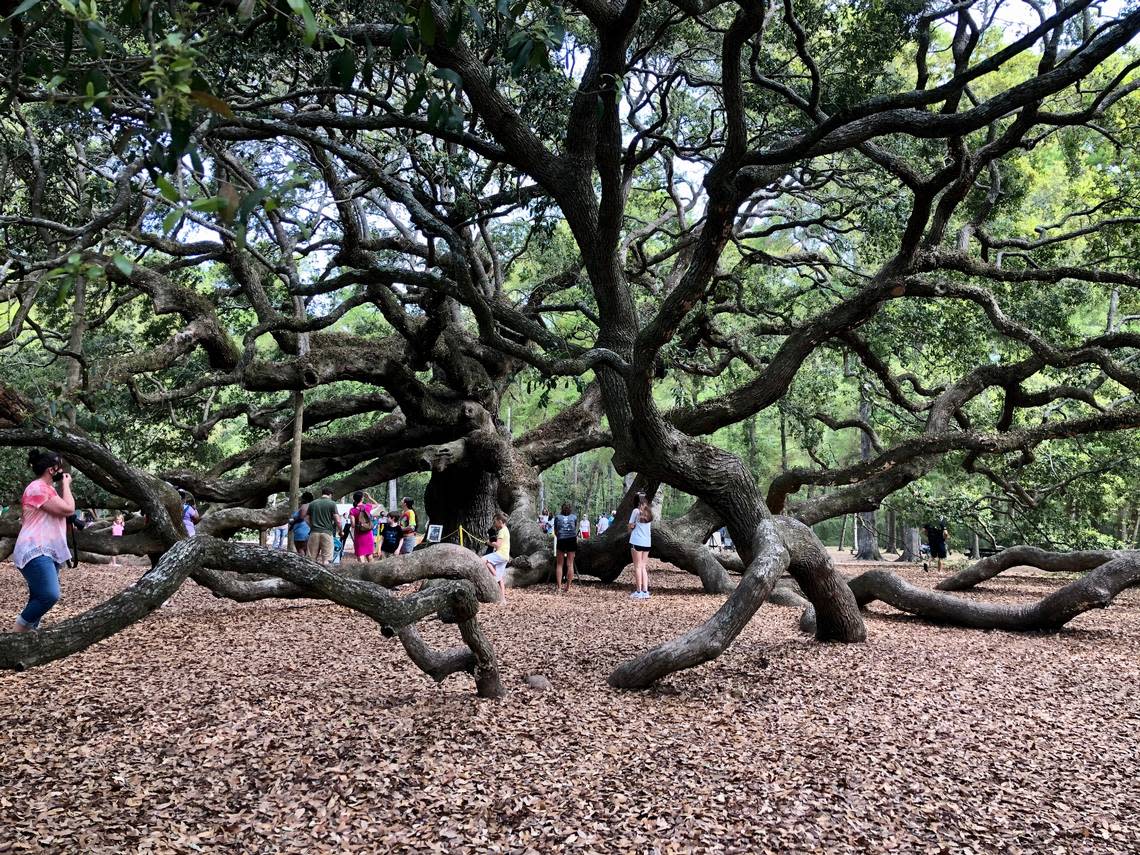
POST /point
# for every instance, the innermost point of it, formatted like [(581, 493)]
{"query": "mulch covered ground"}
[(298, 728)]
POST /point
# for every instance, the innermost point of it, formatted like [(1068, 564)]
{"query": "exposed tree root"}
[(821, 583), (710, 639), (221, 566), (1024, 556), (1095, 590), (21, 651)]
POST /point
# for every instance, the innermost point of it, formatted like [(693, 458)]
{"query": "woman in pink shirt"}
[(41, 548), (117, 531)]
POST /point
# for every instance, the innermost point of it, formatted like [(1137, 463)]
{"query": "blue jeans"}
[(42, 576)]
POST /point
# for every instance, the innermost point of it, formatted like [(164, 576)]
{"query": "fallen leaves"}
[(294, 727)]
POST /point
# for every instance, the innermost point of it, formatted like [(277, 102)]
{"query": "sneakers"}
[(639, 595)]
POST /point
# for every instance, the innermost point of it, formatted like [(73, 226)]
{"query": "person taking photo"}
[(41, 547)]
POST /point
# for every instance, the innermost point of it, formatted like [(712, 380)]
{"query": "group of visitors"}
[(546, 522), (567, 529), (321, 532)]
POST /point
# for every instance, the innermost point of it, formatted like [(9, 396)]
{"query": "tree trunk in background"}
[(750, 440), (393, 495), (842, 532), (1136, 530), (866, 530), (892, 532), (75, 348), (911, 545), (867, 537), (783, 442), (975, 547)]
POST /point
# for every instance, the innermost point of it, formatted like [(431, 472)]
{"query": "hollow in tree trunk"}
[(461, 496)]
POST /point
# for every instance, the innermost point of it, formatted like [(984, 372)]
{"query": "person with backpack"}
[(299, 524), (936, 536), (565, 546), (41, 546), (363, 542), (190, 515)]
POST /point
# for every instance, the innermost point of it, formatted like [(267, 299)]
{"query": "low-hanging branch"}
[(211, 561)]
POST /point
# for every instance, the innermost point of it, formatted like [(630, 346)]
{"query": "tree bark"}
[(866, 528), (781, 543), (867, 539), (1095, 590), (710, 639), (225, 568), (911, 545), (1024, 556)]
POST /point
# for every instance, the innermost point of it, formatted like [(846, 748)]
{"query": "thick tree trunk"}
[(838, 614), (892, 532), (975, 546), (462, 496), (911, 545), (710, 639)]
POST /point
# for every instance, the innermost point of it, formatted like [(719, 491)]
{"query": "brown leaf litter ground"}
[(290, 727)]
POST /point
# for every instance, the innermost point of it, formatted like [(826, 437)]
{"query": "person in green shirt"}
[(324, 522)]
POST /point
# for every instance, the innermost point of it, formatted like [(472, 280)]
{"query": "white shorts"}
[(498, 564)]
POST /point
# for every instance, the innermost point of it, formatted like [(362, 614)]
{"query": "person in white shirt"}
[(584, 527), (639, 542), (603, 524)]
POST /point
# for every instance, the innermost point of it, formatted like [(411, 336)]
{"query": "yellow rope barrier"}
[(462, 532)]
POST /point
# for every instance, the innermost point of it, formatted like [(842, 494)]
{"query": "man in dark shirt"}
[(324, 521), (936, 535)]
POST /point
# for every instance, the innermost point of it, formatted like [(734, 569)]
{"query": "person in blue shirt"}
[(299, 523)]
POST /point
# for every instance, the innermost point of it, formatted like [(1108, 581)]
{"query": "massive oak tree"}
[(352, 226)]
